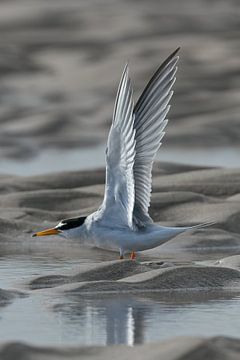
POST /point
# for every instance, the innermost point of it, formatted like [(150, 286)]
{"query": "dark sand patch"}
[(128, 276), (177, 278), (113, 270)]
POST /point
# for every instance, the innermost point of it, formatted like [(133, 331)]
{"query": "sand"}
[(181, 196), (59, 69), (61, 63), (185, 348)]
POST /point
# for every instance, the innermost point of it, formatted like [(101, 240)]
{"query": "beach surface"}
[(60, 65), (181, 348), (199, 265), (66, 288)]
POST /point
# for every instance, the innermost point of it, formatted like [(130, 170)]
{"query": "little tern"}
[(123, 222)]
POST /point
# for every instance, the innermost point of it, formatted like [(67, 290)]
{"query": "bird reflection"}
[(119, 319), (133, 319), (124, 322)]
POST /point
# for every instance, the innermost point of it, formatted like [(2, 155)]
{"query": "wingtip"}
[(173, 55), (176, 51), (126, 67), (125, 74)]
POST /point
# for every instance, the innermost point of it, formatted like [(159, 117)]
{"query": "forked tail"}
[(156, 235), (199, 226)]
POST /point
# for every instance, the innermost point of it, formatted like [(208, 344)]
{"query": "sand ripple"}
[(61, 62), (184, 348)]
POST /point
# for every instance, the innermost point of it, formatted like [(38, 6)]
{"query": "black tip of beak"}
[(33, 235)]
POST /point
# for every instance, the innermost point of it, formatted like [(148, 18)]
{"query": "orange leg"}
[(133, 255)]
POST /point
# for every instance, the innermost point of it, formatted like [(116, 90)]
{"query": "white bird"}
[(123, 222)]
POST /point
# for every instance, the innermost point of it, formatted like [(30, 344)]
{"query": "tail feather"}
[(199, 226)]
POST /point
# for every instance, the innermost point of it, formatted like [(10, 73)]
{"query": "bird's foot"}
[(133, 255), (121, 257)]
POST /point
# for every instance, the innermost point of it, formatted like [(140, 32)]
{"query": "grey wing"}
[(117, 207), (150, 120)]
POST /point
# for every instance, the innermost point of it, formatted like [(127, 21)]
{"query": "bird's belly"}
[(125, 239), (139, 240), (107, 239)]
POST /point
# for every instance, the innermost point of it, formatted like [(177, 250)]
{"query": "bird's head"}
[(63, 227)]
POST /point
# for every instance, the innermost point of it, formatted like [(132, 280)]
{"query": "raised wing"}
[(150, 113), (118, 203)]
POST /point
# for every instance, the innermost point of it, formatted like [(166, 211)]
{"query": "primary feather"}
[(149, 122), (120, 153), (134, 138)]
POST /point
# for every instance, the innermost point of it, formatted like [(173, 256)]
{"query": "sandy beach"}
[(59, 68), (199, 263), (181, 348), (61, 63)]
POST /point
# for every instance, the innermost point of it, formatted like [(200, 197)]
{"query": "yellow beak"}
[(47, 232)]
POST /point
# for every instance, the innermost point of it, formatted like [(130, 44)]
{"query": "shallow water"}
[(54, 318), (94, 157)]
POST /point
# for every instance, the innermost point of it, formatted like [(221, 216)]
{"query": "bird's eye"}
[(61, 226), (69, 224)]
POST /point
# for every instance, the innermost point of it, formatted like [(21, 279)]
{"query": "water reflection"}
[(111, 320), (124, 323), (73, 319), (136, 319)]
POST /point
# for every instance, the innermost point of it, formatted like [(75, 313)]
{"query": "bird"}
[(122, 223)]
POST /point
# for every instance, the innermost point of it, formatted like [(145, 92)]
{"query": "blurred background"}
[(61, 62)]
